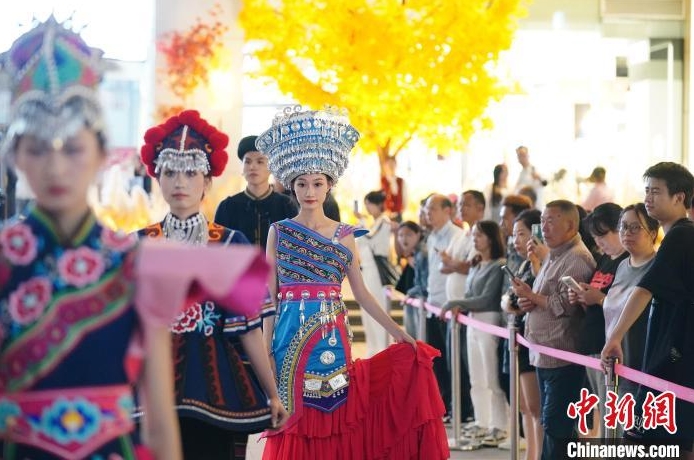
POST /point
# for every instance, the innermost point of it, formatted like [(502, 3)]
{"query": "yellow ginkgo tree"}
[(402, 69)]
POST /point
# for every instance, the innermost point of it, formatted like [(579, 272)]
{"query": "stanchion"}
[(611, 384), (387, 303), (422, 323), (514, 384), (455, 383)]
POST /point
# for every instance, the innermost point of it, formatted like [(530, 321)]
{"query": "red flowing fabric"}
[(393, 412)]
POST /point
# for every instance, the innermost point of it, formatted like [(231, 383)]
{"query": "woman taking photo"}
[(219, 398), (529, 389), (385, 407), (603, 225)]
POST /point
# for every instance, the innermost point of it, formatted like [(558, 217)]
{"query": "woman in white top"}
[(374, 250)]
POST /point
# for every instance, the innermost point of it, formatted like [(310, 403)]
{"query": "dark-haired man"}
[(258, 206), (668, 287)]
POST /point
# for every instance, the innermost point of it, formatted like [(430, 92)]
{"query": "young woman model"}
[(387, 406), (84, 311), (219, 397)]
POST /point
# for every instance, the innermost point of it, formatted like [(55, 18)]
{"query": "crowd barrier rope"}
[(681, 392)]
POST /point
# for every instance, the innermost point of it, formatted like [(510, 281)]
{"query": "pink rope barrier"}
[(628, 373)]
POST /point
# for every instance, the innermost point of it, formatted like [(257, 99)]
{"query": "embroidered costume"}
[(219, 399), (385, 407), (74, 314), (63, 309), (213, 380)]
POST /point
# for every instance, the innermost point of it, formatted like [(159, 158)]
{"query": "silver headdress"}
[(54, 77), (308, 142)]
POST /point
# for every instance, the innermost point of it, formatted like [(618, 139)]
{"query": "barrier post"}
[(611, 384), (514, 382), (388, 305), (455, 382), (422, 323)]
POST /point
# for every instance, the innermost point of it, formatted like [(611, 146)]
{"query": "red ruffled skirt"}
[(393, 411)]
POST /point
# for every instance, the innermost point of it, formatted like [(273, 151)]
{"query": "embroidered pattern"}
[(197, 317), (118, 241), (214, 381), (303, 258), (18, 243), (28, 302), (9, 411), (68, 421), (61, 297), (71, 317), (81, 266)]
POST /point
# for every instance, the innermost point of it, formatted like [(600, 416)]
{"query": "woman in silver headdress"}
[(385, 407), (84, 310)]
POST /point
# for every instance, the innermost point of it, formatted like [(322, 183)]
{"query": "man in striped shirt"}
[(552, 321)]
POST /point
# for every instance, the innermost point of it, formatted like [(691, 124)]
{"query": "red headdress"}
[(185, 142)]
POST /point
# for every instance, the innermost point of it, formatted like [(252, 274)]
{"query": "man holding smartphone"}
[(552, 321)]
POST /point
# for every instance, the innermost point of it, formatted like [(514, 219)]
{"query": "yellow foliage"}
[(402, 68)]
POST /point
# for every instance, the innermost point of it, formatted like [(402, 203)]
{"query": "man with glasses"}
[(668, 287), (439, 211), (554, 322)]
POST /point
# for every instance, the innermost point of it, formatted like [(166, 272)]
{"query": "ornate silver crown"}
[(308, 142)]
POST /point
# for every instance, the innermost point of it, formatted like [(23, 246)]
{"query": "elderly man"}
[(554, 322), (439, 211)]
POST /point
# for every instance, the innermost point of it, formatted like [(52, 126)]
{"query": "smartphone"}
[(571, 283), (356, 205), (508, 271), (536, 230)]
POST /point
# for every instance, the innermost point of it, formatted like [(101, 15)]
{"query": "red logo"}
[(619, 410), (582, 408)]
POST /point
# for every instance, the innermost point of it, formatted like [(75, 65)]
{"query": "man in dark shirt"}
[(668, 287), (258, 206)]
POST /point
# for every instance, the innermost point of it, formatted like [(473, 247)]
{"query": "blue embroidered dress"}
[(387, 407), (312, 337)]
